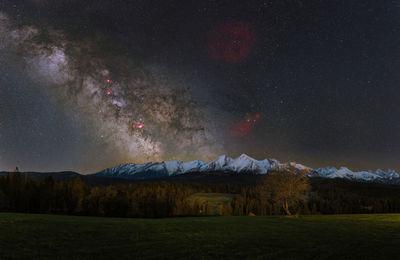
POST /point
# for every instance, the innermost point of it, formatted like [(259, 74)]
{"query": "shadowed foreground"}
[(308, 237)]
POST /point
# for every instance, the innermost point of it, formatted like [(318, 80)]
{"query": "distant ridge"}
[(243, 164), (222, 166)]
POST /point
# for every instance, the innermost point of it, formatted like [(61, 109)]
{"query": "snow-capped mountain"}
[(241, 164), (379, 175)]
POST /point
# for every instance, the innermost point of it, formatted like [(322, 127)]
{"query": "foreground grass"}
[(307, 237)]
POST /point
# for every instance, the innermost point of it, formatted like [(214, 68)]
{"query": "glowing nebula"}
[(139, 126), (231, 41), (245, 126)]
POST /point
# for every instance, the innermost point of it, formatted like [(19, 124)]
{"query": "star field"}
[(87, 85)]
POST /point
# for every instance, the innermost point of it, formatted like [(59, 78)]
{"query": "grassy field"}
[(213, 198), (307, 237)]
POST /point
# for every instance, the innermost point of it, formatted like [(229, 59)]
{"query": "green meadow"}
[(30, 236), (214, 199)]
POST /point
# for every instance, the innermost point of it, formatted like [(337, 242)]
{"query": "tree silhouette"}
[(287, 190)]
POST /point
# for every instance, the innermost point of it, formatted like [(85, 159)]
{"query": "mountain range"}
[(243, 164)]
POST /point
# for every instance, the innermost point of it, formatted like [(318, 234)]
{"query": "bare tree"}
[(287, 190)]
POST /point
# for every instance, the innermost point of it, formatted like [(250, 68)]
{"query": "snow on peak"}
[(192, 166), (172, 166), (220, 164), (345, 173), (242, 164), (245, 163)]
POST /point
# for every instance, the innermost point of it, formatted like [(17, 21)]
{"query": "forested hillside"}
[(265, 196)]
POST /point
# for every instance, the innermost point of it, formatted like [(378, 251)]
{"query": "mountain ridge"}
[(242, 164)]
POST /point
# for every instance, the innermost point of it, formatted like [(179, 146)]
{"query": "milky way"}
[(133, 107), (86, 85)]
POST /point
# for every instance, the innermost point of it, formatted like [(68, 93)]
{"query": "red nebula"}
[(108, 80), (231, 41), (109, 92), (244, 127), (139, 126)]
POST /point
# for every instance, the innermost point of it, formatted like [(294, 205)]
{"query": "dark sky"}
[(87, 85)]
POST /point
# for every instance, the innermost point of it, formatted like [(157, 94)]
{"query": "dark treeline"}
[(19, 193), (339, 196), (276, 194)]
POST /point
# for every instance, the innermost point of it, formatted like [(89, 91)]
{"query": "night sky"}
[(86, 85)]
